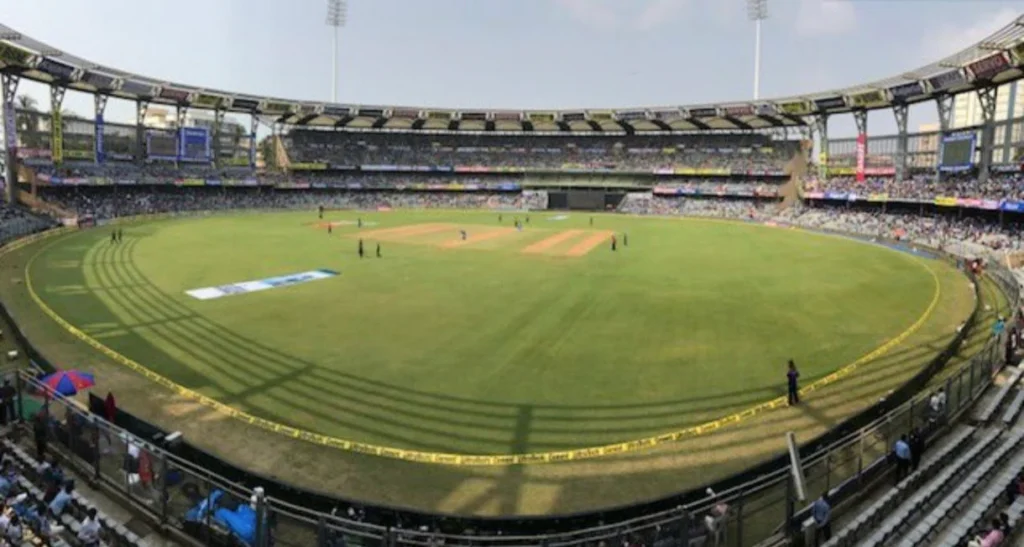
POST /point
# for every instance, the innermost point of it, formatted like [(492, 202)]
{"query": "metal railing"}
[(170, 489)]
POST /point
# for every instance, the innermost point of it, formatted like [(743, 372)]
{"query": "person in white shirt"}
[(89, 533), (938, 404)]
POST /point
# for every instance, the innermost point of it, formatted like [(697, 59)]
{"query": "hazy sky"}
[(513, 53)]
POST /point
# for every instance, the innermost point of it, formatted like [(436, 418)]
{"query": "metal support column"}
[(10, 90), (860, 118), (944, 104), (100, 107), (1011, 106), (218, 127), (899, 111), (987, 99), (141, 108), (254, 123), (57, 123), (821, 127)]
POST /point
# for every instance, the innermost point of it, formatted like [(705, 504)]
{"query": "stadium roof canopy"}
[(996, 59)]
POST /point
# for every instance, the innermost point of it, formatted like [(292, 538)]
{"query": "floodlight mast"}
[(757, 11), (337, 15)]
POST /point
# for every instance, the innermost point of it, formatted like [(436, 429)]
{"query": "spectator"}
[(89, 533), (40, 427), (822, 512), (792, 387), (916, 448), (902, 452), (14, 530), (62, 499), (937, 404)]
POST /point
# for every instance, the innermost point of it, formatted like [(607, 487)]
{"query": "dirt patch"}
[(549, 242), (588, 244), (471, 239), (401, 232)]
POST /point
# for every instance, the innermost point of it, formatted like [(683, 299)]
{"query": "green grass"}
[(488, 350)]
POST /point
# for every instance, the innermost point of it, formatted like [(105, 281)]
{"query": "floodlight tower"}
[(337, 14), (757, 11)]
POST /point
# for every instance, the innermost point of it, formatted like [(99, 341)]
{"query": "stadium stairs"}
[(959, 486), (114, 533)]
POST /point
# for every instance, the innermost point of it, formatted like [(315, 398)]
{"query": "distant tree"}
[(268, 149), (26, 120)]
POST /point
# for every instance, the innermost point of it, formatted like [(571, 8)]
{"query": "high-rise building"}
[(967, 108)]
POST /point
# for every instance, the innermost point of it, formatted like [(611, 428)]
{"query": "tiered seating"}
[(116, 533), (1013, 409), (985, 413), (925, 496), (925, 531), (884, 506), (983, 507)]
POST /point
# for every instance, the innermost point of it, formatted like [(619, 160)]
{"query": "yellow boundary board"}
[(469, 459)]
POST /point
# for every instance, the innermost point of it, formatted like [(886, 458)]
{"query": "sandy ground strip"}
[(588, 244), (549, 242)]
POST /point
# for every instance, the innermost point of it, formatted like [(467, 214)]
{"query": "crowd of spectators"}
[(739, 153), (103, 203), (925, 186)]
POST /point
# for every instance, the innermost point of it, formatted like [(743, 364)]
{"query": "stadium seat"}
[(985, 413)]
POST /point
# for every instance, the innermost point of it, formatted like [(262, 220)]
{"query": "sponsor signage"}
[(405, 113), (336, 111), (97, 80), (703, 112), (765, 110), (172, 94), (56, 69), (132, 87), (878, 197), (830, 103), (947, 80), (273, 107), (906, 91), (308, 166), (739, 110), (210, 293), (474, 116), (631, 115), (869, 99), (371, 113), (1015, 206), (667, 114), (540, 116), (600, 115), (208, 101), (989, 66), (862, 152), (945, 201), (245, 104), (435, 115), (508, 116), (573, 116), (795, 108)]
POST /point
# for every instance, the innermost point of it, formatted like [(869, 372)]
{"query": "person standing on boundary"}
[(792, 384), (614, 243), (902, 452), (378, 249), (360, 248), (625, 239), (330, 228)]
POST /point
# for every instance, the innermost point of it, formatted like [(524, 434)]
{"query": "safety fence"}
[(213, 510)]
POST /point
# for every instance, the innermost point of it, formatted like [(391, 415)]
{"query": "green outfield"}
[(505, 342)]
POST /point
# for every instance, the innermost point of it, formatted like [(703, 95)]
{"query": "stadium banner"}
[(58, 70), (667, 114), (57, 137), (600, 115), (272, 107), (990, 204), (10, 128), (97, 80), (210, 293), (739, 110), (136, 88), (1015, 206), (868, 99), (79, 154), (97, 142), (213, 182), (796, 108), (171, 94), (631, 115), (969, 202), (814, 195), (13, 55), (945, 201), (947, 80), (906, 91), (1017, 53), (319, 185), (308, 166), (405, 113), (988, 67), (664, 171), (878, 197), (245, 104), (507, 116), (714, 171), (837, 195), (862, 152), (879, 171), (1006, 168), (573, 116), (102, 181), (194, 144), (189, 182), (474, 116), (841, 170), (208, 101), (684, 171), (830, 103), (703, 112), (336, 111), (436, 115), (509, 186), (540, 116), (665, 190)]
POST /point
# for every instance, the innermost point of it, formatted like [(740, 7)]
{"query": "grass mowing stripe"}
[(747, 413)]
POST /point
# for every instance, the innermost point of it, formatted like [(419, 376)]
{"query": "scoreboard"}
[(188, 144), (957, 152)]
